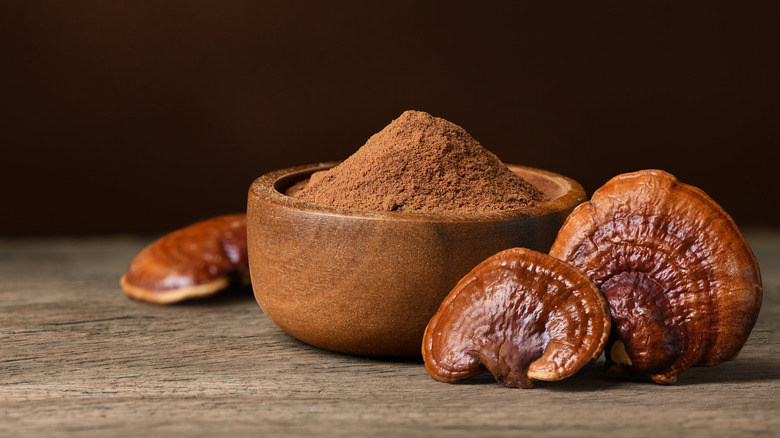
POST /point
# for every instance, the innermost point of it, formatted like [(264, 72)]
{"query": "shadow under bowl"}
[(367, 282)]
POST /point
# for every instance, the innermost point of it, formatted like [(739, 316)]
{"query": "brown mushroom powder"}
[(420, 163)]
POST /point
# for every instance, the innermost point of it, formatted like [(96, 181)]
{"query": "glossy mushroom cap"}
[(521, 315), (193, 262), (683, 286)]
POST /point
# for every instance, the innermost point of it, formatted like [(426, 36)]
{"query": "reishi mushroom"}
[(683, 286), (193, 262), (522, 316)]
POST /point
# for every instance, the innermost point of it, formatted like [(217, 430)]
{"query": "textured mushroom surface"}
[(196, 261), (683, 286), (522, 316)]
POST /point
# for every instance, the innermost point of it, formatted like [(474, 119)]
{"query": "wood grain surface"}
[(78, 358)]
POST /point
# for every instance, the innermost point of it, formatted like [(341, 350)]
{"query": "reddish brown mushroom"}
[(522, 316), (683, 286), (196, 261)]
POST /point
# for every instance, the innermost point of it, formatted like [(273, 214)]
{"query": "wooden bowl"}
[(367, 282)]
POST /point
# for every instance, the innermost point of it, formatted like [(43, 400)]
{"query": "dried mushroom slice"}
[(522, 316), (193, 262), (683, 287)]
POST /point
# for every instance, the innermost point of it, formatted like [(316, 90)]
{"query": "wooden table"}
[(78, 358)]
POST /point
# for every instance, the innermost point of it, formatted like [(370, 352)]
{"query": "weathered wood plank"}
[(79, 358)]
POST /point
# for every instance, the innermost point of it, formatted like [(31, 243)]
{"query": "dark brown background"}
[(142, 116)]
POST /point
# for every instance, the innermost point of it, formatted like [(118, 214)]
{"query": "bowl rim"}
[(268, 188)]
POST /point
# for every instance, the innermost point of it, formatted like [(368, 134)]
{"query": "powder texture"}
[(420, 163)]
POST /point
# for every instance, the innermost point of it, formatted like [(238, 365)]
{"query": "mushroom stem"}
[(509, 363), (642, 321)]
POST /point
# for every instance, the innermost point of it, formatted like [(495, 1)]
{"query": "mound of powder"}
[(420, 163)]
